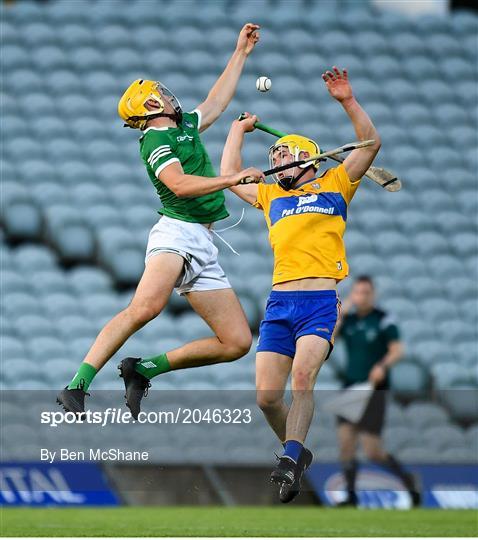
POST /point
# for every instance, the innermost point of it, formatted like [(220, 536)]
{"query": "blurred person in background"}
[(180, 252), (372, 342)]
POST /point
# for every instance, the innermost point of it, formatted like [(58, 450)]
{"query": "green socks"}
[(150, 367), (83, 377)]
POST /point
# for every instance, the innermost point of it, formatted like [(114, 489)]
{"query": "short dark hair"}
[(365, 279)]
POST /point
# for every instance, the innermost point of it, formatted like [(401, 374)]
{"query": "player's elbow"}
[(378, 143), (217, 105), (179, 189)]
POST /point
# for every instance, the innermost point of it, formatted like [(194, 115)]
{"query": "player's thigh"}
[(160, 275), (311, 353), (223, 313), (272, 372), (372, 446)]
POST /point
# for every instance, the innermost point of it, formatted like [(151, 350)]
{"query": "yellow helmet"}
[(132, 109), (295, 144)]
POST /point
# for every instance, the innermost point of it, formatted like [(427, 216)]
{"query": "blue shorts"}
[(292, 314)]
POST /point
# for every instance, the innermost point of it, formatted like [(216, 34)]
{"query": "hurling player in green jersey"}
[(180, 252)]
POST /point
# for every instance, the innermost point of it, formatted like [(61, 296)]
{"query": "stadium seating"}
[(77, 205)]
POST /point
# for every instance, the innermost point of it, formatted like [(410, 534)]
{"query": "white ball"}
[(263, 84)]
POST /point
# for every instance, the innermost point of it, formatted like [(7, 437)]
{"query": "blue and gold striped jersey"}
[(307, 225)]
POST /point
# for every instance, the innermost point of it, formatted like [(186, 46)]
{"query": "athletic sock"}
[(292, 450), (150, 367), (397, 469), (350, 474), (83, 377)]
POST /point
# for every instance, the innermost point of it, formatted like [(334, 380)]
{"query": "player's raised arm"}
[(224, 89), (231, 161), (339, 88)]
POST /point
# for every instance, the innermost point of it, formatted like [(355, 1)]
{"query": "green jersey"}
[(160, 147), (366, 341)]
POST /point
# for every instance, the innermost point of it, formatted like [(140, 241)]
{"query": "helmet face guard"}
[(166, 93), (295, 144)]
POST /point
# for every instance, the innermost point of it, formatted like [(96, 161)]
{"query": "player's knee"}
[(302, 379), (268, 400), (142, 313), (238, 346)]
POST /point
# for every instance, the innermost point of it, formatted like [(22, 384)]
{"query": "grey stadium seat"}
[(446, 374), (438, 309), (49, 281), (395, 416), (409, 378), (12, 348), (462, 401), (407, 266), (21, 302), (84, 279), (416, 454), (422, 287), (390, 243), (397, 438), (458, 454), (444, 436), (436, 90), (127, 265), (458, 330), (49, 192), (443, 266), (468, 201), (420, 64), (429, 243), (30, 326), (43, 347), (13, 282), (61, 304), (454, 220), (75, 242), (451, 114), (461, 288), (74, 326), (428, 351), (417, 329), (412, 220), (472, 436), (73, 34)]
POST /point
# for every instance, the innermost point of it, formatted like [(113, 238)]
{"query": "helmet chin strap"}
[(177, 117), (286, 183)]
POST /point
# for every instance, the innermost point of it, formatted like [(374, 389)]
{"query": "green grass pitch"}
[(238, 521)]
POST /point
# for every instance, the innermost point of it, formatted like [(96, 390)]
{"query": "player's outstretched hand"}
[(250, 175), (247, 122), (248, 37), (338, 84)]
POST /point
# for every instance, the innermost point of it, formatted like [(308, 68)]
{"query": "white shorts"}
[(194, 242)]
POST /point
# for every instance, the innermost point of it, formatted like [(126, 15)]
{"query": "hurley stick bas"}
[(380, 176)]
